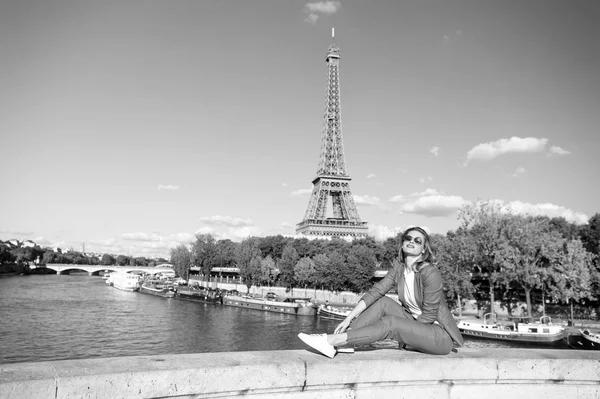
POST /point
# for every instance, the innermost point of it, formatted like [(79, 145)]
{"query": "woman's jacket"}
[(429, 296)]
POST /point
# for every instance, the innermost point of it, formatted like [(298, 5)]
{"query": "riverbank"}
[(347, 298)]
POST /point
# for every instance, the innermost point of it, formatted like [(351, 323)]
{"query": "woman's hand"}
[(343, 326)]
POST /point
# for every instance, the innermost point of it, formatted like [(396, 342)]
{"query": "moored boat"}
[(543, 332), (125, 281), (332, 312), (586, 339), (158, 288), (286, 305), (200, 294)]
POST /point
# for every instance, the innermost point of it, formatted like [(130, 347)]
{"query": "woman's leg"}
[(384, 306), (386, 319)]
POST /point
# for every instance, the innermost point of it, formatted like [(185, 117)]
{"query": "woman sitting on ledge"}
[(421, 320)]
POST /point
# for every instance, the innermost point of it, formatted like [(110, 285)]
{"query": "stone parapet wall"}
[(470, 373)]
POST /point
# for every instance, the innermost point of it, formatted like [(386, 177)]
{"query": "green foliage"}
[(360, 267), (181, 259), (225, 253), (268, 272), (304, 271), (248, 258), (204, 252), (289, 258), (107, 260)]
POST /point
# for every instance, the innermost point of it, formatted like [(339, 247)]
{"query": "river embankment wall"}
[(341, 297), (300, 374)]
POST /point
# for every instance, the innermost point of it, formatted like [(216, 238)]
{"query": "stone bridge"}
[(301, 374), (95, 270)]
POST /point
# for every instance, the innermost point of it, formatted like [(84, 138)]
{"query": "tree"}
[(289, 258), (390, 249), (360, 267), (322, 272), (304, 271), (248, 258), (486, 224), (525, 260), (181, 259), (122, 260), (455, 261), (225, 253), (590, 237), (268, 271), (107, 260), (204, 251), (334, 277)]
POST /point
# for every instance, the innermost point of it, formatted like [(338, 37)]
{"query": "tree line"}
[(22, 256), (494, 255)]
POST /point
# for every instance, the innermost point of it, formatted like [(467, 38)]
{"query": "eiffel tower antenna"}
[(331, 187)]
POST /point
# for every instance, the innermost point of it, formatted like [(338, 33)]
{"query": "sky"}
[(129, 126)]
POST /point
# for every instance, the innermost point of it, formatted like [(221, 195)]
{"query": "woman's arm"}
[(358, 309), (382, 287), (432, 294)]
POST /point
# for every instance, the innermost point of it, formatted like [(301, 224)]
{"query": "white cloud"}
[(324, 7), (301, 192), (313, 10), (424, 179), (435, 150), (366, 200), (428, 191), (141, 237), (434, 205), (519, 172), (240, 233), (205, 230), (311, 19), (397, 198), (226, 221), (44, 242), (547, 209), (382, 232), (168, 187), (371, 176), (104, 243), (556, 150), (494, 149), (284, 184), (287, 225)]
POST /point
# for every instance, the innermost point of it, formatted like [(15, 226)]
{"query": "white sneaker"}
[(318, 342)]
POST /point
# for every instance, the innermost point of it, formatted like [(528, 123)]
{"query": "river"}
[(57, 317)]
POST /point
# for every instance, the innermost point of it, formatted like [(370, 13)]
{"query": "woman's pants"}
[(386, 319)]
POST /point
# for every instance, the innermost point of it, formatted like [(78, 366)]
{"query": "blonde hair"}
[(428, 255)]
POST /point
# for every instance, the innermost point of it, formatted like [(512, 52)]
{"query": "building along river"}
[(56, 317)]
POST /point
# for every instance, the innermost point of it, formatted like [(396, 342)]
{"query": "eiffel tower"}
[(331, 209)]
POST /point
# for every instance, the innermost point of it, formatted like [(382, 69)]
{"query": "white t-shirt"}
[(409, 292)]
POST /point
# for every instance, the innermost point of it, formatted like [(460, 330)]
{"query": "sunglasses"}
[(417, 240)]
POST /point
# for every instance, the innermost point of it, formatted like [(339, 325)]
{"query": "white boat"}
[(591, 340), (331, 312), (109, 278), (125, 281), (541, 332)]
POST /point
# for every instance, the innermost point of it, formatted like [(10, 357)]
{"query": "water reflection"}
[(74, 317)]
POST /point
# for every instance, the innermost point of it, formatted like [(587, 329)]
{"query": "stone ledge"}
[(470, 373)]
